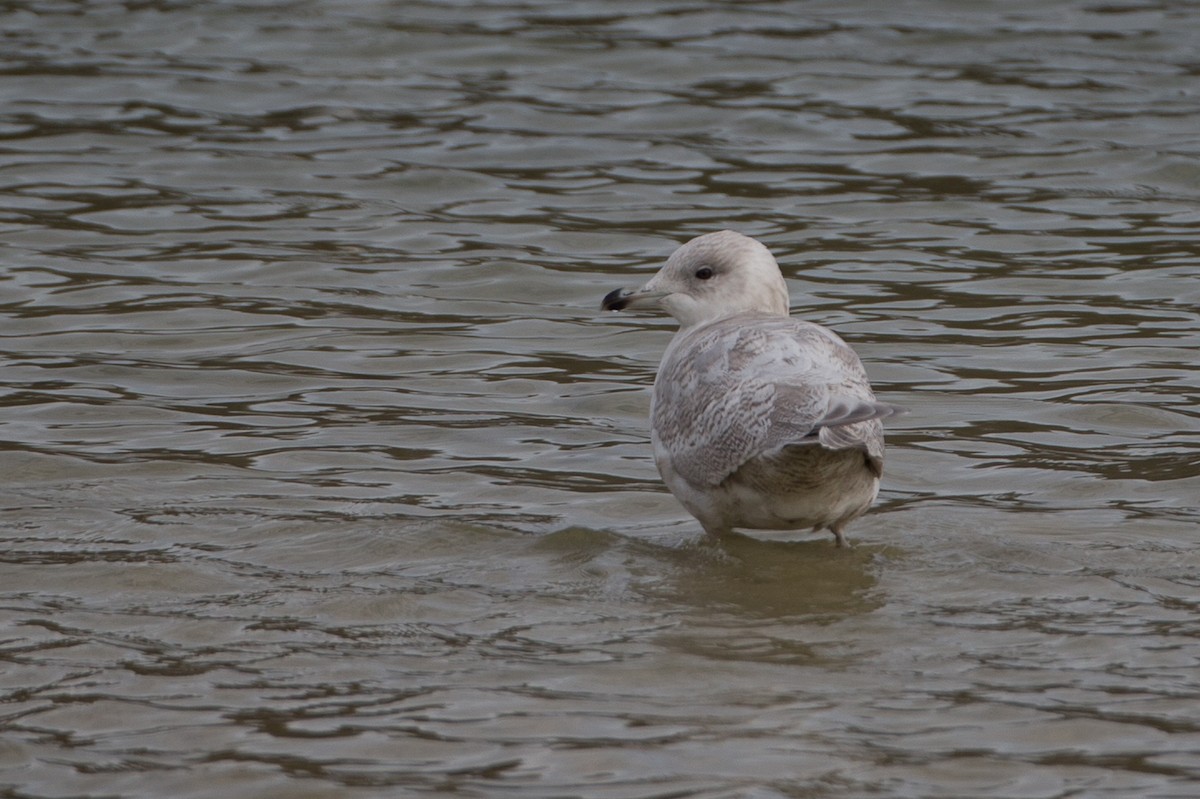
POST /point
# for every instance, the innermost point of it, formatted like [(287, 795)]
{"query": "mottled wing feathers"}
[(754, 383), (706, 417)]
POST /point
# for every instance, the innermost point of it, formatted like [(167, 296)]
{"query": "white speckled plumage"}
[(758, 420)]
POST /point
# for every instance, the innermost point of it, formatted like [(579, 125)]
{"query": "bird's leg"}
[(839, 540)]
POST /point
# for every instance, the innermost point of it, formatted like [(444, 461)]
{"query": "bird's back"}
[(768, 422)]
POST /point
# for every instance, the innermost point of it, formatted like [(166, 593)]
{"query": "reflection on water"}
[(748, 578), (322, 475)]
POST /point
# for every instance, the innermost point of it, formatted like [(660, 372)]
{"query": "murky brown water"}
[(323, 476)]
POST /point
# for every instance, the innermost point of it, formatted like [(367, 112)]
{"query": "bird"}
[(759, 420)]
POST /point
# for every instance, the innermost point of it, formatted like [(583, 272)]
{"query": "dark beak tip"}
[(614, 300)]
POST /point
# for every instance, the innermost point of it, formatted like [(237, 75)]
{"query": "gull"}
[(758, 420)]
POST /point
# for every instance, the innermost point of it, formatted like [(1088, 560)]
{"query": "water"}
[(323, 475)]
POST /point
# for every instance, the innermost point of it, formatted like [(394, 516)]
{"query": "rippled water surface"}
[(322, 475)]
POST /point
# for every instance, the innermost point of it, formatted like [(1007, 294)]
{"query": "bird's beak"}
[(621, 299)]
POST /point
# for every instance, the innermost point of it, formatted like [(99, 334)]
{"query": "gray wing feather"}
[(753, 384)]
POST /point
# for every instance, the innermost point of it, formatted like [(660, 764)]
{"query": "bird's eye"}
[(705, 272)]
